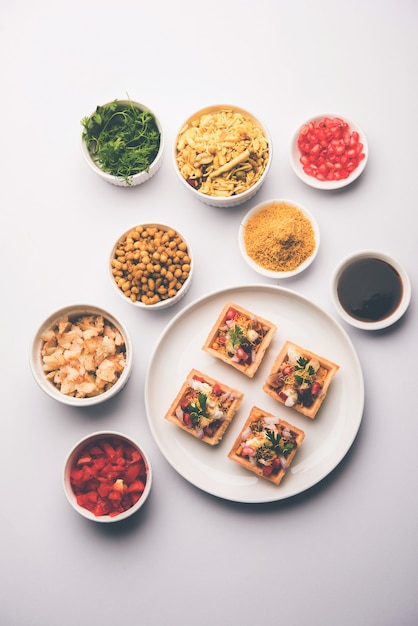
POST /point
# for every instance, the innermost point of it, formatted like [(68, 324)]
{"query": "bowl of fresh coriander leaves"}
[(122, 141)]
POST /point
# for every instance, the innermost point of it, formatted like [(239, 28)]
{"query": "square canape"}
[(266, 445), (240, 338), (204, 407), (300, 379)]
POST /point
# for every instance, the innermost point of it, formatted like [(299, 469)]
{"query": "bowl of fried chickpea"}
[(151, 266), (222, 155)]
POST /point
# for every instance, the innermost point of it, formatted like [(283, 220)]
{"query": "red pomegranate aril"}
[(329, 149)]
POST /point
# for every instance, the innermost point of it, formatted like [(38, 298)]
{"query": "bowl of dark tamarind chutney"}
[(370, 289)]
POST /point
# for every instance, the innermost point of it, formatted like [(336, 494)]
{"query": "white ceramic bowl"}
[(268, 272), (140, 177), (224, 201), (295, 154), (164, 264), (131, 491), (370, 289), (74, 312)]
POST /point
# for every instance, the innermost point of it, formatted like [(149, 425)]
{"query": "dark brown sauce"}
[(370, 289)]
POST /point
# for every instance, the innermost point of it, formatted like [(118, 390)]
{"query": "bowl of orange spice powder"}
[(279, 238)]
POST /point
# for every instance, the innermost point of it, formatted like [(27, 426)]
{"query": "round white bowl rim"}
[(36, 365), (140, 176), (226, 201), (294, 155), (162, 304), (67, 467), (270, 273), (371, 254)]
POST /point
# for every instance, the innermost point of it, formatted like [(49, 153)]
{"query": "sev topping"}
[(279, 237)]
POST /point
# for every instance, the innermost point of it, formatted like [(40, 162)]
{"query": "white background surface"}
[(343, 552)]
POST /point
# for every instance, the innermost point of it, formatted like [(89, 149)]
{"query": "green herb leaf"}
[(280, 448), (288, 447), (301, 363), (122, 139), (198, 409), (236, 335), (203, 399), (274, 439)]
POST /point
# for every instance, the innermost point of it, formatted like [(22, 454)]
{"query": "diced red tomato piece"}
[(217, 390), (241, 354), (96, 451), (135, 455), (76, 475), (98, 464), (115, 495), (101, 508), (136, 487), (132, 473), (86, 498), (104, 489), (231, 314), (84, 459), (135, 497), (109, 450), (315, 388)]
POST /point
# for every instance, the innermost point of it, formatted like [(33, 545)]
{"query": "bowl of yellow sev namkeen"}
[(279, 238), (222, 155)]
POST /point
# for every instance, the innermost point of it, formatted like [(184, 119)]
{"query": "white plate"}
[(327, 438)]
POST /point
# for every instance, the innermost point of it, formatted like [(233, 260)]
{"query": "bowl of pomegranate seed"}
[(328, 151)]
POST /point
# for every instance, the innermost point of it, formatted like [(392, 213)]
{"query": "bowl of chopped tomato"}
[(123, 141), (81, 355), (107, 476), (328, 151)]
